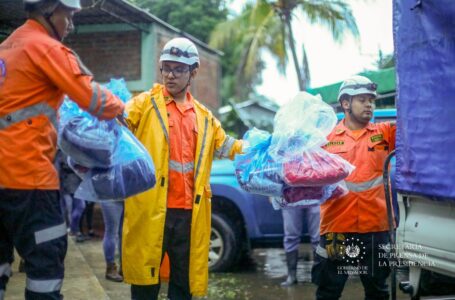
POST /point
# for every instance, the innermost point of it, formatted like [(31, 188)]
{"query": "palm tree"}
[(267, 24)]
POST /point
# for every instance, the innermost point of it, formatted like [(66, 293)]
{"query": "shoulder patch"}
[(377, 138), (335, 143), (2, 71)]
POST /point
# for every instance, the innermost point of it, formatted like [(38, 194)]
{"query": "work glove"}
[(335, 245)]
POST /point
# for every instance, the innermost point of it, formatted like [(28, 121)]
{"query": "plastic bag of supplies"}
[(85, 139), (133, 172), (291, 164), (302, 123), (301, 128), (256, 171), (112, 163), (315, 168)]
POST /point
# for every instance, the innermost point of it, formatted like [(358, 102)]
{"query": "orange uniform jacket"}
[(35, 73), (364, 208)]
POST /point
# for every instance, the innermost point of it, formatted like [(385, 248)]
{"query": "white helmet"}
[(180, 50), (357, 85), (74, 4)]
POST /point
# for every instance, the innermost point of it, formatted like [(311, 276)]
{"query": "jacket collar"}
[(35, 25), (341, 127)]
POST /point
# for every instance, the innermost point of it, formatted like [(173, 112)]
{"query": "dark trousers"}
[(372, 268), (33, 223), (176, 243), (88, 216)]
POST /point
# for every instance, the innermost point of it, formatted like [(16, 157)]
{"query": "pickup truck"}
[(242, 221)]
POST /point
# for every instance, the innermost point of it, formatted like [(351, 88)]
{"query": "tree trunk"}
[(290, 36)]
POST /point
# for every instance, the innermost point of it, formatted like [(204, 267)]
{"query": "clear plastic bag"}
[(290, 163), (302, 123), (112, 163), (309, 196), (88, 141), (315, 167), (256, 171), (133, 172)]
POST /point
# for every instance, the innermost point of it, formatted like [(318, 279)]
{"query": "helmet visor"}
[(174, 51)]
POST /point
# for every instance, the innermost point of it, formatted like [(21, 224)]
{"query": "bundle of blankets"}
[(112, 163)]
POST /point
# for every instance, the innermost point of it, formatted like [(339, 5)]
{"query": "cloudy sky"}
[(329, 61)]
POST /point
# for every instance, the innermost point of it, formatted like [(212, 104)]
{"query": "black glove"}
[(335, 245)]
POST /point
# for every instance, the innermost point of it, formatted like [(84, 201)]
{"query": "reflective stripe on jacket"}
[(36, 72), (182, 139), (145, 213), (364, 208)]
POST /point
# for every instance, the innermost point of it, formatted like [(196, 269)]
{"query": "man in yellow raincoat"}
[(183, 137)]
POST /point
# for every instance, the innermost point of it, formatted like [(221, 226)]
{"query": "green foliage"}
[(385, 61), (266, 25), (197, 17)]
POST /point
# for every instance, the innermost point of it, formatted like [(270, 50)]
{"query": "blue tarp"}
[(424, 37)]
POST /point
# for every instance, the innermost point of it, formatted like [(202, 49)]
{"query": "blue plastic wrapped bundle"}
[(263, 181), (118, 88), (88, 141), (132, 173), (256, 171), (110, 160)]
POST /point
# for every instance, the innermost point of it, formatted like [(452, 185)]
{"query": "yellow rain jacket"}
[(143, 227)]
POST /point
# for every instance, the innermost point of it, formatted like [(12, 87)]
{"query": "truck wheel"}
[(224, 246)]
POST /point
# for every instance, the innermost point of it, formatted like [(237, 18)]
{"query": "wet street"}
[(258, 278)]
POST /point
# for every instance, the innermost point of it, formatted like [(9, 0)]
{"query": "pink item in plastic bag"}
[(294, 194), (316, 168)]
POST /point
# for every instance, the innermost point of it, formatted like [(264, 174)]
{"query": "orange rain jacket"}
[(364, 208), (35, 73)]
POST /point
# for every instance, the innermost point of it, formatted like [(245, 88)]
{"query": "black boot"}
[(291, 260)]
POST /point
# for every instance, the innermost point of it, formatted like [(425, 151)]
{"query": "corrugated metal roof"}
[(12, 15), (385, 80)]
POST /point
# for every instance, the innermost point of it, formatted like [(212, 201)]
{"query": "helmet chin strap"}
[(187, 85), (184, 88), (54, 30), (47, 17)]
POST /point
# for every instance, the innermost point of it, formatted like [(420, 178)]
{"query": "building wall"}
[(109, 54), (120, 51)]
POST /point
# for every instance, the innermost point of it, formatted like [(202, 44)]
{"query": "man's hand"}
[(335, 246)]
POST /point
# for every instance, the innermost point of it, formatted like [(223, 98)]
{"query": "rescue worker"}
[(182, 136), (36, 70), (354, 228)]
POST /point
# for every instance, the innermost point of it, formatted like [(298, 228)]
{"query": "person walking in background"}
[(36, 71), (182, 136), (293, 218), (112, 216), (354, 228), (74, 207), (87, 218)]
